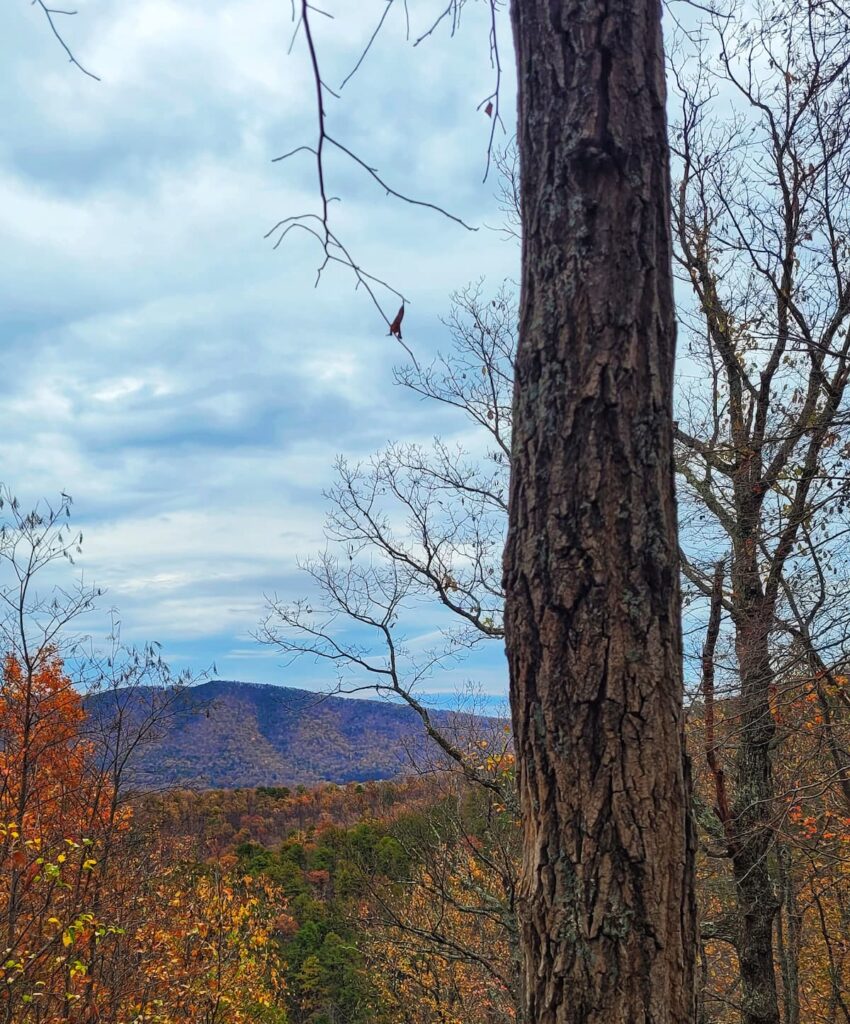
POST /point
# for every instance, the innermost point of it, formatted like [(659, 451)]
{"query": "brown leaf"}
[(488, 110), (395, 326)]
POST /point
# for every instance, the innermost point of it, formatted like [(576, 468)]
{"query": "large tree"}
[(591, 570), (591, 566)]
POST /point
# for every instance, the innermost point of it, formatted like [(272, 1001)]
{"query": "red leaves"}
[(488, 110)]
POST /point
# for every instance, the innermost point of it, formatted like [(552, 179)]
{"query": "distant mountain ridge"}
[(230, 734)]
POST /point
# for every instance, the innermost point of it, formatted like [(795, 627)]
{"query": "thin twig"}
[(368, 46), (318, 224), (49, 12)]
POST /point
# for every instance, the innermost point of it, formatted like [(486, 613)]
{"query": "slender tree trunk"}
[(753, 828), (593, 611), (789, 938), (753, 835)]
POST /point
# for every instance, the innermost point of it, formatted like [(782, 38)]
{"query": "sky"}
[(162, 363)]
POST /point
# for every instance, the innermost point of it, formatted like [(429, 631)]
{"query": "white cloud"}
[(185, 382)]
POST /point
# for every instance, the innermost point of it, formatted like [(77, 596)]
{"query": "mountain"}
[(227, 734)]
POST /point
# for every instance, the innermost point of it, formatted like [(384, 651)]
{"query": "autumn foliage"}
[(101, 922), (382, 902), (809, 858)]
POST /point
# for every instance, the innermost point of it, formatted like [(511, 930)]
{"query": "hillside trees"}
[(399, 917), (323, 871)]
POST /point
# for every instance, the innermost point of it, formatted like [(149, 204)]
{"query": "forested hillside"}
[(228, 734), (387, 901), (403, 895)]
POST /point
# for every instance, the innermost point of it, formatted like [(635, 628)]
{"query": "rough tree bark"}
[(593, 610), (753, 834)]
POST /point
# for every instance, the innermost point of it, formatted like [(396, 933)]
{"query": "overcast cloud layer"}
[(162, 364)]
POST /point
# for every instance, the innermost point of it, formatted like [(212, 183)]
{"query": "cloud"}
[(183, 380)]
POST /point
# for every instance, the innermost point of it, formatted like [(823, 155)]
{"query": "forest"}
[(619, 487), (391, 901)]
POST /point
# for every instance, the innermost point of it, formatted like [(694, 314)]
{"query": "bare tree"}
[(417, 526), (762, 221)]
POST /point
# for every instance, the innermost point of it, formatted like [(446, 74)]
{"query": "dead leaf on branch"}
[(395, 326)]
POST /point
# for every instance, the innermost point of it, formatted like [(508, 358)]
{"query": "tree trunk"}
[(593, 611), (789, 938), (752, 827), (753, 831)]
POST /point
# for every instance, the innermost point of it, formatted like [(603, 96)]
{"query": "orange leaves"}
[(100, 923), (205, 940), (808, 826), (42, 751), (45, 800)]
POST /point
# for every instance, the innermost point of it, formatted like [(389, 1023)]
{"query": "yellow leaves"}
[(67, 938), (206, 941), (499, 762), (77, 970)]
